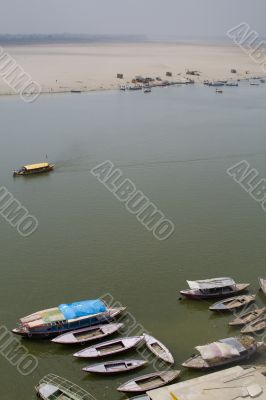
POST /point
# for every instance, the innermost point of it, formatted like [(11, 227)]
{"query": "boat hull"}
[(115, 367), (197, 294), (149, 382), (56, 330), (42, 171), (197, 362)]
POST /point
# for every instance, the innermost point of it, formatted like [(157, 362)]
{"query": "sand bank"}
[(62, 68)]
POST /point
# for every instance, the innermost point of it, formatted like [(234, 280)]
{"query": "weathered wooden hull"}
[(111, 347), (248, 317), (232, 303), (158, 349), (198, 295), (149, 382), (81, 336), (115, 367), (262, 283), (197, 362)]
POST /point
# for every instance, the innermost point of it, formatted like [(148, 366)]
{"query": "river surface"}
[(175, 144)]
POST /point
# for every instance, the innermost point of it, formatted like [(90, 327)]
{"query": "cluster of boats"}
[(83, 322)]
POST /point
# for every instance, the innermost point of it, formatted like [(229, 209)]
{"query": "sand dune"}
[(59, 68)]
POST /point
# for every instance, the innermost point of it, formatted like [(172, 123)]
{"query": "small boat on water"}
[(262, 283), (219, 91), (111, 347), (254, 83), (81, 336), (135, 87), (233, 303), (53, 387), (231, 83), (114, 367), (147, 90), (213, 288), (149, 382), (248, 317), (34, 169), (217, 83), (255, 326), (223, 352), (158, 349), (65, 318)]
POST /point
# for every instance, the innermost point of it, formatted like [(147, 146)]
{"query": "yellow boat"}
[(34, 169)]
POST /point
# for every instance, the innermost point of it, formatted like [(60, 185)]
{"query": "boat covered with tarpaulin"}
[(223, 352), (65, 317), (213, 288)]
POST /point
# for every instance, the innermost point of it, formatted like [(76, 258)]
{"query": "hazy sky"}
[(150, 17)]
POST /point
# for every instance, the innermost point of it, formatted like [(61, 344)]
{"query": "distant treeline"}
[(67, 38)]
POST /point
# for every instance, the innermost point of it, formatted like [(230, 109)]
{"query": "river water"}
[(175, 145)]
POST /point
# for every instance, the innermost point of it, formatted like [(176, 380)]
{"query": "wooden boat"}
[(65, 318), (158, 349), (34, 169), (219, 91), (255, 326), (149, 382), (84, 335), (262, 283), (114, 367), (217, 83), (233, 303), (213, 288), (111, 347), (54, 387), (141, 397), (248, 317), (223, 352), (231, 83)]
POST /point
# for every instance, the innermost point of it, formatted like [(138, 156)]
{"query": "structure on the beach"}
[(232, 383)]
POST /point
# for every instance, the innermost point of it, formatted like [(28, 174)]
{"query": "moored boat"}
[(231, 83), (114, 367), (141, 397), (84, 335), (255, 326), (213, 288), (217, 83), (53, 387), (65, 318), (111, 347), (248, 317), (262, 283), (158, 349), (34, 169), (233, 303), (149, 381), (223, 352)]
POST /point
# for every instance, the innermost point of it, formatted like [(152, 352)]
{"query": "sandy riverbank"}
[(60, 68)]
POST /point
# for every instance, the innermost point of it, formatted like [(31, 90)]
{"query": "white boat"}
[(158, 349)]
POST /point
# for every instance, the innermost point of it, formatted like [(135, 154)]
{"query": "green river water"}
[(175, 145)]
